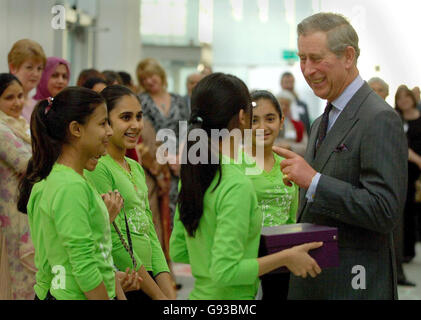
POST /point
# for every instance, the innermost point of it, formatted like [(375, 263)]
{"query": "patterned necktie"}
[(323, 125)]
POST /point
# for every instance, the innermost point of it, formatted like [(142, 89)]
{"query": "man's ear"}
[(350, 56), (75, 129)]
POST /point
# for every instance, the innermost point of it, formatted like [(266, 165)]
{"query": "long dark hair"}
[(49, 131), (216, 100)]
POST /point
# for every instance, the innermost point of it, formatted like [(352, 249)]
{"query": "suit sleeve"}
[(379, 199)]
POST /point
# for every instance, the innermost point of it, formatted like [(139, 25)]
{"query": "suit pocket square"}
[(341, 148)]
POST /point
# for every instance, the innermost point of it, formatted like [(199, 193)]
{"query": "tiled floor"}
[(412, 272)]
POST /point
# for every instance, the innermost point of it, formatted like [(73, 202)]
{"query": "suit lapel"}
[(336, 134), (309, 157), (345, 122), (342, 126), (311, 144)]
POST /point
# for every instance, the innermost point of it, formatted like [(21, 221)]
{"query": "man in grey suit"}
[(354, 174)]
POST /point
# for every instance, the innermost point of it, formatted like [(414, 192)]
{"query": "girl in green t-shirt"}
[(134, 238), (277, 201), (218, 223), (69, 221)]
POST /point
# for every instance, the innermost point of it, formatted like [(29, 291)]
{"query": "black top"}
[(414, 135)]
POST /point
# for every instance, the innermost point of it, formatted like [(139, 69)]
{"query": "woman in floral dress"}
[(17, 270)]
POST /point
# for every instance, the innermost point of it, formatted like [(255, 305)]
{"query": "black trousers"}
[(410, 213), (275, 286)]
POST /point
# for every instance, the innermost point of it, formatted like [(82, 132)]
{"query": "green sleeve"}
[(227, 266), (159, 263), (294, 207), (70, 212), (178, 246), (43, 283), (100, 178), (103, 182)]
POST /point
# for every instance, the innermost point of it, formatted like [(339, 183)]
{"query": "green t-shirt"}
[(223, 253), (70, 230), (277, 201), (109, 176)]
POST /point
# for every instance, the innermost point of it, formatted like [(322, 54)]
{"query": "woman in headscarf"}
[(56, 77)]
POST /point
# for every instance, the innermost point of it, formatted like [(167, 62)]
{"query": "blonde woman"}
[(27, 61)]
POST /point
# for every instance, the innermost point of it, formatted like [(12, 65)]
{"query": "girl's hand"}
[(130, 281), (114, 202), (300, 263)]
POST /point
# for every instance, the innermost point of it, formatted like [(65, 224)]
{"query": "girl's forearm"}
[(149, 286), (165, 283), (99, 293)]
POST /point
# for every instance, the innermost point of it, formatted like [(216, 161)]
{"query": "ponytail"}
[(195, 180), (216, 100), (45, 151), (49, 129)]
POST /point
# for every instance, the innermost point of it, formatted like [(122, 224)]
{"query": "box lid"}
[(293, 234)]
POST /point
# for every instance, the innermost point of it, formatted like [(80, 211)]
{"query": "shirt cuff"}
[(313, 186)]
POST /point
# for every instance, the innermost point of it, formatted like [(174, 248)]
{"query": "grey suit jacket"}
[(362, 191)]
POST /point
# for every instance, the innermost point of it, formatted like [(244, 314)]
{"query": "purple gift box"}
[(278, 238)]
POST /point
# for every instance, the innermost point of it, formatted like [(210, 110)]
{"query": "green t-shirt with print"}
[(277, 201), (223, 253), (109, 176), (70, 229)]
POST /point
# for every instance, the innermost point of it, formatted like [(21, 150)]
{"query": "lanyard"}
[(129, 248)]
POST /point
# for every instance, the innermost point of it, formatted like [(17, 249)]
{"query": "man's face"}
[(287, 83), (326, 74)]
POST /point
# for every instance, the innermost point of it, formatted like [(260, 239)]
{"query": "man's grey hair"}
[(340, 33), (381, 82)]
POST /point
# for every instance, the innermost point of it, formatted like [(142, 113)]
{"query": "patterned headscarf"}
[(50, 67)]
